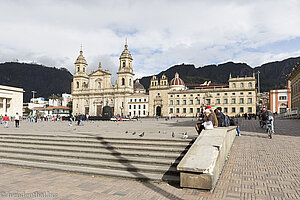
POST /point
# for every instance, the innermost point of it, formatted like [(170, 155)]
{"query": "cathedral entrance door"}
[(86, 110), (99, 110), (158, 111)]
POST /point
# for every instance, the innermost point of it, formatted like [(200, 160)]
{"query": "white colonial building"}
[(11, 100)]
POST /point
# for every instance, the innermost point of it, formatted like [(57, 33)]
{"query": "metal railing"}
[(291, 114)]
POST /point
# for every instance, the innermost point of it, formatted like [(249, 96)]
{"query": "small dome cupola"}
[(81, 59), (177, 83)]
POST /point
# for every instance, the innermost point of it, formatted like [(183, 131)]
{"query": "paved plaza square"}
[(257, 168)]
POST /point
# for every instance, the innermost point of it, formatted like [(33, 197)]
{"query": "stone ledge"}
[(202, 164)]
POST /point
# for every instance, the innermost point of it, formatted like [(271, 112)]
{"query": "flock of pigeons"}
[(184, 135)]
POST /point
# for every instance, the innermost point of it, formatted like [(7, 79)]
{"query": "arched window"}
[(99, 84), (123, 81), (130, 81), (123, 63), (242, 84), (83, 69), (233, 85), (249, 84), (77, 84), (78, 69)]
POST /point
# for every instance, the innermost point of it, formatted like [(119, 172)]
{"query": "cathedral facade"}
[(94, 91), (128, 98)]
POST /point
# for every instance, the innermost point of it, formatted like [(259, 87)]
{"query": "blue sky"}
[(160, 33)]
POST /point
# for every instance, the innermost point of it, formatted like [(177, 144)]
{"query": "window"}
[(218, 94), (282, 98), (130, 113), (242, 84), (191, 95), (171, 95), (171, 102), (184, 95), (198, 101), (249, 84), (241, 100), (134, 113), (129, 106), (233, 93), (123, 81), (123, 64), (225, 110), (177, 110), (207, 101), (198, 110), (225, 101), (140, 100), (191, 102), (249, 100), (139, 106), (191, 110), (134, 100), (241, 110), (184, 102), (144, 106), (233, 85), (233, 110), (78, 69), (130, 81), (177, 95), (249, 92), (249, 109), (184, 110), (178, 102), (171, 110), (83, 69), (77, 84), (218, 101), (198, 95), (134, 106), (130, 100), (233, 100), (145, 100), (144, 112), (225, 94), (158, 94), (241, 93)]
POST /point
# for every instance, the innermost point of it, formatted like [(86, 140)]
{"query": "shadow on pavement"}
[(133, 170)]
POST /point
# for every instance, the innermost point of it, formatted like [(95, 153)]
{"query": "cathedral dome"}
[(176, 80), (138, 86), (81, 59)]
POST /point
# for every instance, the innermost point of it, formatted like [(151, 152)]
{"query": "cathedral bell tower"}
[(80, 78), (125, 73)]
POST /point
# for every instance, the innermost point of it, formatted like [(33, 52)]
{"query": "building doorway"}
[(158, 111), (99, 110)]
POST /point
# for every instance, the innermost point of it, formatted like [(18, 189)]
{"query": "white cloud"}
[(160, 33)]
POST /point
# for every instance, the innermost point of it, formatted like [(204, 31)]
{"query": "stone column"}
[(4, 106)]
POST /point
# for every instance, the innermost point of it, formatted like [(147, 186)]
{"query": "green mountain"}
[(272, 75), (44, 80)]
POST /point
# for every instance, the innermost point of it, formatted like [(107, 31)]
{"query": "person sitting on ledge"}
[(206, 123)]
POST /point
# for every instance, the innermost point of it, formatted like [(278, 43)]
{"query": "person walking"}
[(5, 121), (17, 120)]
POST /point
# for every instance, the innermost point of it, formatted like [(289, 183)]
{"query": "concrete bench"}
[(202, 164)]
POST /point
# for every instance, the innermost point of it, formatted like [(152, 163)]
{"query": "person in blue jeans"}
[(268, 117)]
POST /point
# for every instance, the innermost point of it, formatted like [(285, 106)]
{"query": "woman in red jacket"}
[(5, 121)]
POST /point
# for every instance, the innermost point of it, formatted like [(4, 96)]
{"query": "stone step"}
[(92, 145), (161, 143), (130, 152), (143, 176), (93, 156), (93, 163), (124, 138)]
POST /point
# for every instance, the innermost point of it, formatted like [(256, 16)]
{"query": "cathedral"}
[(94, 91), (129, 98)]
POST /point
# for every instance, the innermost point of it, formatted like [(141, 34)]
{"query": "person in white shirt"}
[(17, 120)]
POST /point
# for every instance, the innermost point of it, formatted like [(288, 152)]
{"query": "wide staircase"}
[(141, 159)]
